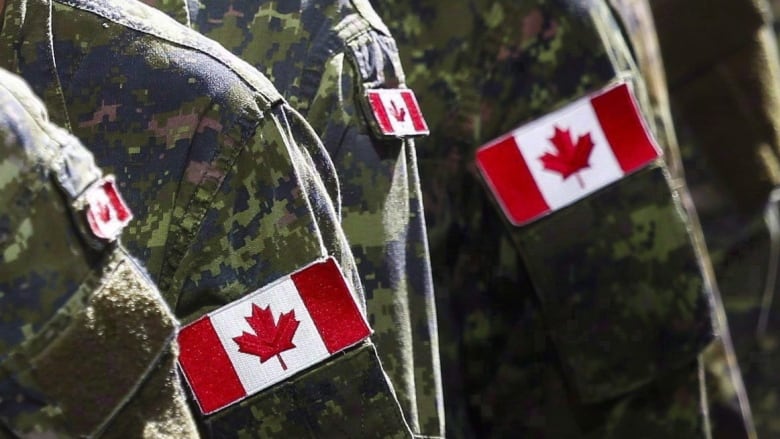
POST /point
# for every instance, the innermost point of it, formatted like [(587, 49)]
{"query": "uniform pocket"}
[(620, 285)]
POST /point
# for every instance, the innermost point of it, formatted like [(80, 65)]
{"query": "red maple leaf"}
[(104, 212), (569, 158), (270, 339), (398, 113)]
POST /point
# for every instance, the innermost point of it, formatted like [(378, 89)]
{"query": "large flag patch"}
[(269, 335), (566, 155), (396, 112)]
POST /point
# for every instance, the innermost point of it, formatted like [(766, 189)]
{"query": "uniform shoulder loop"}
[(365, 10), (391, 109), (74, 167), (145, 19), (98, 209)]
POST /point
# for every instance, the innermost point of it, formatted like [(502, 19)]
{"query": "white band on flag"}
[(269, 335), (566, 155), (397, 112)]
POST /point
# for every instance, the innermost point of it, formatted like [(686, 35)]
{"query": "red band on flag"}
[(121, 209), (269, 335), (414, 111), (619, 118), (335, 314), (208, 367), (381, 114), (511, 180)]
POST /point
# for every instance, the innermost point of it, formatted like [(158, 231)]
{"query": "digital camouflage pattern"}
[(323, 56), (350, 403), (590, 322), (726, 102), (726, 397), (229, 186), (82, 325), (176, 9)]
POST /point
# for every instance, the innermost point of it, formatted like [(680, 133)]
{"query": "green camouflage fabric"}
[(727, 399), (724, 91), (726, 103), (82, 325), (323, 56), (176, 9), (590, 322), (230, 187)]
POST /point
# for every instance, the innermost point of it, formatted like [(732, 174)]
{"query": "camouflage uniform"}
[(726, 100), (229, 186), (75, 353), (551, 328), (323, 57), (725, 400), (724, 90), (176, 9)]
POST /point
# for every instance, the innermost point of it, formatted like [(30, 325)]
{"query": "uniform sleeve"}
[(724, 222), (589, 304), (382, 217), (636, 227), (83, 326), (724, 91), (324, 58), (269, 215), (226, 199), (257, 211)]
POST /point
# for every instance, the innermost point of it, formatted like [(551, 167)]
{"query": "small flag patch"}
[(397, 112), (269, 335), (566, 155), (107, 212)]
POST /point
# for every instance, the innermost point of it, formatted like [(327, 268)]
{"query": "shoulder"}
[(24, 143), (20, 145), (20, 111), (355, 22), (36, 158), (31, 147), (141, 24)]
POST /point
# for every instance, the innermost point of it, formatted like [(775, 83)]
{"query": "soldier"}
[(232, 194), (75, 354), (336, 62), (585, 320), (725, 97)]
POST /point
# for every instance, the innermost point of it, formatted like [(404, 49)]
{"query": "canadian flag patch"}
[(397, 112), (107, 212), (269, 335), (566, 155)]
